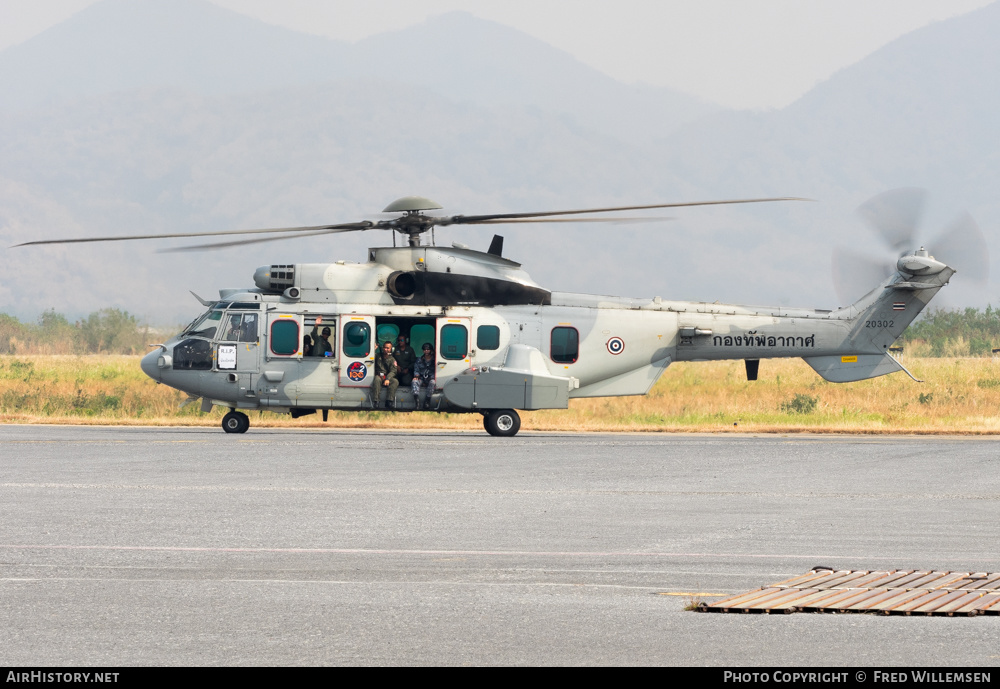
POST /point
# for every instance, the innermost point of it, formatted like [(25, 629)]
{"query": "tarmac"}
[(188, 546)]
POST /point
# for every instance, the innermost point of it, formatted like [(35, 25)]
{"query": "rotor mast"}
[(413, 223)]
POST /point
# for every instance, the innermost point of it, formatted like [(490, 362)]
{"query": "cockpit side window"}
[(206, 326), (193, 355), (240, 327)]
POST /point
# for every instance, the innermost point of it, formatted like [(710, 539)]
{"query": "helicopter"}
[(500, 342)]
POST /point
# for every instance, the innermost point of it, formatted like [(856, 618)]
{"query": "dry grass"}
[(960, 396)]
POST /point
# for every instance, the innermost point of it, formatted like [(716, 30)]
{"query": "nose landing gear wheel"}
[(235, 422), (502, 422)]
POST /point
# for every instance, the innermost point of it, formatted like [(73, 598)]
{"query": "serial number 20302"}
[(878, 324)]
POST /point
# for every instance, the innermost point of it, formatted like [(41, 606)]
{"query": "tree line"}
[(939, 333), (960, 332), (108, 331)]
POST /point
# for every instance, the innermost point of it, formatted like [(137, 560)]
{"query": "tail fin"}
[(880, 317)]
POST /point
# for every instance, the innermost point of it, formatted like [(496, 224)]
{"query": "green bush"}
[(800, 404)]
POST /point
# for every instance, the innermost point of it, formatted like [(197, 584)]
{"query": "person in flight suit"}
[(321, 341), (424, 372), (385, 377), (406, 358), (235, 328)]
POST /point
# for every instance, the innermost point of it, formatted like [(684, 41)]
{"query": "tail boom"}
[(845, 345)]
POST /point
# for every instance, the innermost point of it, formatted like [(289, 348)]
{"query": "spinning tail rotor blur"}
[(895, 218)]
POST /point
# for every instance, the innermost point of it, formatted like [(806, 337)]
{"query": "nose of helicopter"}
[(150, 365)]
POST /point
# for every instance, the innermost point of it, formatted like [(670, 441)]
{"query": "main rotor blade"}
[(498, 217), (344, 227), (244, 242), (895, 215), (614, 220)]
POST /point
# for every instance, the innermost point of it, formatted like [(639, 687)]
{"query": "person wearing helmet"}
[(321, 340), (235, 328), (423, 377)]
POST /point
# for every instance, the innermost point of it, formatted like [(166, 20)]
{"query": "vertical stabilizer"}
[(884, 313), (880, 317)]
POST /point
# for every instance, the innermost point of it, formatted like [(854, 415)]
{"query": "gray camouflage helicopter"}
[(501, 342)]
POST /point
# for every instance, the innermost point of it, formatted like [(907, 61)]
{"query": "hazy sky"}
[(740, 53)]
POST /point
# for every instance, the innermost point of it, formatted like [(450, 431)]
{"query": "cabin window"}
[(357, 339), (386, 332), (421, 334), (488, 337), (285, 337), (454, 341), (565, 346), (309, 322)]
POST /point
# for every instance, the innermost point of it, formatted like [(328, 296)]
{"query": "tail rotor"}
[(895, 217)]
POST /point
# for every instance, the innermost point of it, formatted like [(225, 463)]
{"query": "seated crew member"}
[(235, 328), (321, 341), (385, 377), (248, 333), (306, 345), (424, 377), (405, 357)]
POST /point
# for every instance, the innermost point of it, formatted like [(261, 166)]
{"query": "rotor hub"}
[(412, 223)]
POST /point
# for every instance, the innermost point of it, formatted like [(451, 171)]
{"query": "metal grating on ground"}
[(890, 592)]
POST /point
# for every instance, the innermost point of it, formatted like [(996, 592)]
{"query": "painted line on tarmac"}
[(63, 442), (352, 582), (812, 495), (509, 569), (470, 553)]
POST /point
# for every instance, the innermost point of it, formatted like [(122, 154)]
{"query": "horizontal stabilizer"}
[(846, 368), (912, 286)]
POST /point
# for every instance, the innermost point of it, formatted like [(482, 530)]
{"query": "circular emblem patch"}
[(616, 345), (357, 371)]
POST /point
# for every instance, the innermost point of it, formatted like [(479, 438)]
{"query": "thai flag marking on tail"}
[(898, 305)]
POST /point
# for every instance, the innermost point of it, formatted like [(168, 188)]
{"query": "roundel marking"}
[(357, 371), (616, 345)]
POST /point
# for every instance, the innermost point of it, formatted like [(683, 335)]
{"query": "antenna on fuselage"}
[(496, 246)]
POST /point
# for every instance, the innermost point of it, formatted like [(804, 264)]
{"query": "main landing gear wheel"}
[(235, 422), (504, 423)]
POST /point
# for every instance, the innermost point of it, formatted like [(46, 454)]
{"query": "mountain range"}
[(147, 116)]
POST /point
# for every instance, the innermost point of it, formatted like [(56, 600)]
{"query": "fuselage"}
[(493, 327)]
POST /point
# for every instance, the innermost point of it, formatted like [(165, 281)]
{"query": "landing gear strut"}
[(504, 423), (235, 422)]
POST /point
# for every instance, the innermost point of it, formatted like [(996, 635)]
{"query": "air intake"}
[(276, 278)]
